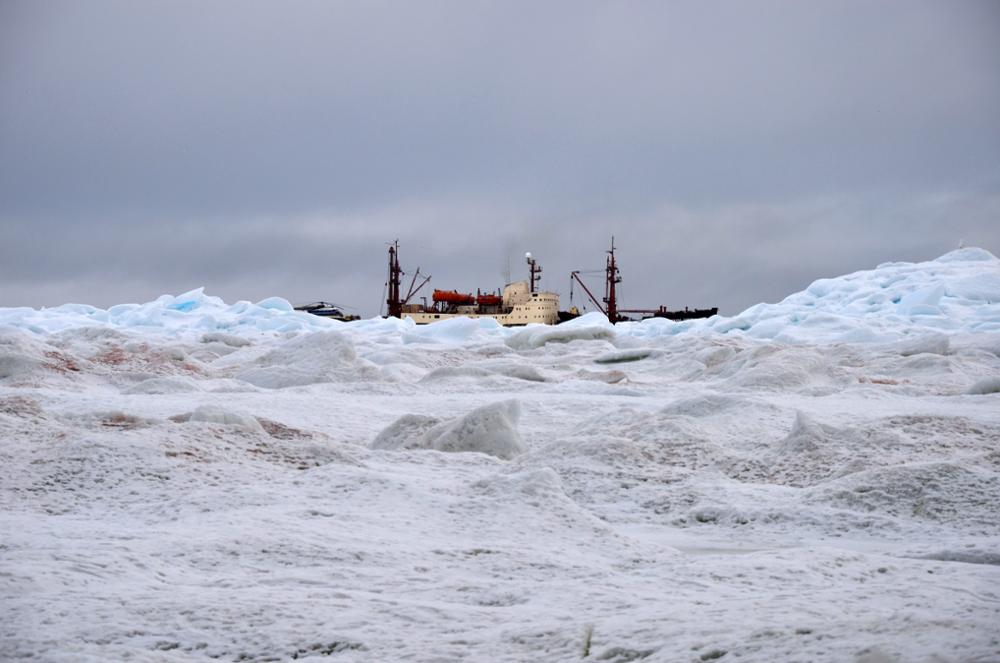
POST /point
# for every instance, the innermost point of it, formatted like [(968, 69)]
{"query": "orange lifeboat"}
[(489, 300), (453, 297)]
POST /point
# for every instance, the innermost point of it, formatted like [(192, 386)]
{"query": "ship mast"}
[(394, 303), (612, 277), (536, 270)]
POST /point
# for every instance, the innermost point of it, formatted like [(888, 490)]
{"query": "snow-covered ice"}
[(816, 479)]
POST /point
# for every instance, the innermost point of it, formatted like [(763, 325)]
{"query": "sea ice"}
[(814, 479), (489, 429)]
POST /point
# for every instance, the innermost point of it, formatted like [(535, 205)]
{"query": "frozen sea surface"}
[(813, 480)]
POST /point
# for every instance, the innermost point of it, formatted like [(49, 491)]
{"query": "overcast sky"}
[(736, 150)]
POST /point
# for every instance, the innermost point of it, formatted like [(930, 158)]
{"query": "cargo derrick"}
[(395, 302), (612, 277)]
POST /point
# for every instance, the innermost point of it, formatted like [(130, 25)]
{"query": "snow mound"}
[(517, 371), (19, 356), (814, 452), (27, 361), (934, 343), (164, 385), (625, 356), (806, 437), (780, 367), (490, 429), (456, 372), (967, 254), (407, 432), (536, 483), (309, 359), (452, 331), (965, 556), (986, 386), (193, 311), (589, 327), (959, 495), (214, 414), (608, 377), (703, 406), (226, 339), (502, 369), (960, 291)]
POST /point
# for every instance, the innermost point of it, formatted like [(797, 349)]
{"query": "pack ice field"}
[(816, 479)]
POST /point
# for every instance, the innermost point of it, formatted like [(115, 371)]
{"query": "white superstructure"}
[(519, 306)]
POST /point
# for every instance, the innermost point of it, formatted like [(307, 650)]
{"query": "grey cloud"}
[(262, 149)]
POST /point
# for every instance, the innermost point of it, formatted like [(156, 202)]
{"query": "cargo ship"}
[(519, 303)]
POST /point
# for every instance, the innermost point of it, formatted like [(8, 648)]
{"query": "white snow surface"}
[(812, 480)]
